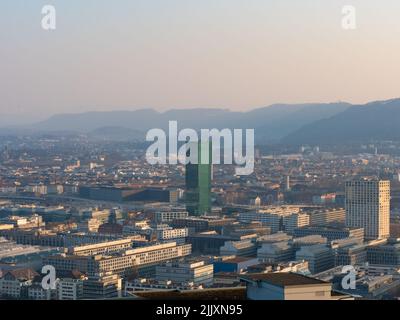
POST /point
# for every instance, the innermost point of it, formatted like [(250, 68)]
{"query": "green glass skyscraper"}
[(198, 180)]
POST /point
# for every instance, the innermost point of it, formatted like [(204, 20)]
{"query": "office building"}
[(121, 194), (13, 283), (196, 272), (288, 286), (198, 180), (36, 291), (374, 288), (145, 284), (293, 221), (280, 220), (169, 216), (368, 207), (23, 256), (307, 241), (101, 248), (52, 239), (275, 237), (239, 248), (233, 264), (139, 259), (385, 254), (104, 287), (169, 233), (70, 289), (319, 257), (331, 233), (208, 242), (327, 216), (244, 229), (274, 252), (201, 224), (353, 254)]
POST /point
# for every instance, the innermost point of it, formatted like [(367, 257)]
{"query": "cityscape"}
[(110, 225), (135, 165)]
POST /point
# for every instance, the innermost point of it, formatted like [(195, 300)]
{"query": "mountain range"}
[(376, 121), (293, 124)]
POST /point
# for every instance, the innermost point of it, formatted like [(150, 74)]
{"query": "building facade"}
[(198, 180), (199, 272), (368, 207)]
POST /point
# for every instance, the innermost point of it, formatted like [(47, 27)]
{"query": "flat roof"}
[(283, 279), (328, 228), (236, 293), (236, 260), (100, 245)]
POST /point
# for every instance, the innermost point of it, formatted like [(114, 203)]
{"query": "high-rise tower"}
[(198, 180), (368, 207)]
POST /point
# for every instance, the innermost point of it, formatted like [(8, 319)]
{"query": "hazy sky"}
[(127, 54)]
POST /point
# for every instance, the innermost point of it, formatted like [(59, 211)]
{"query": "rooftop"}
[(203, 294), (283, 279), (237, 259)]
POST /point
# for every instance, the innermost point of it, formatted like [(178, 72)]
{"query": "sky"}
[(163, 54)]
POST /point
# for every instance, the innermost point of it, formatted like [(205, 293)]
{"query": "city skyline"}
[(207, 152)]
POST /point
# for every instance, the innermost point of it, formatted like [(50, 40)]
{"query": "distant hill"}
[(377, 120), (275, 122), (293, 124), (271, 123), (89, 121), (116, 134)]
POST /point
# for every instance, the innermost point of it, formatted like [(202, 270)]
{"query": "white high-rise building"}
[(368, 207)]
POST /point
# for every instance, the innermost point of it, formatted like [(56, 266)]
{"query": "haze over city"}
[(216, 153), (125, 55)]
